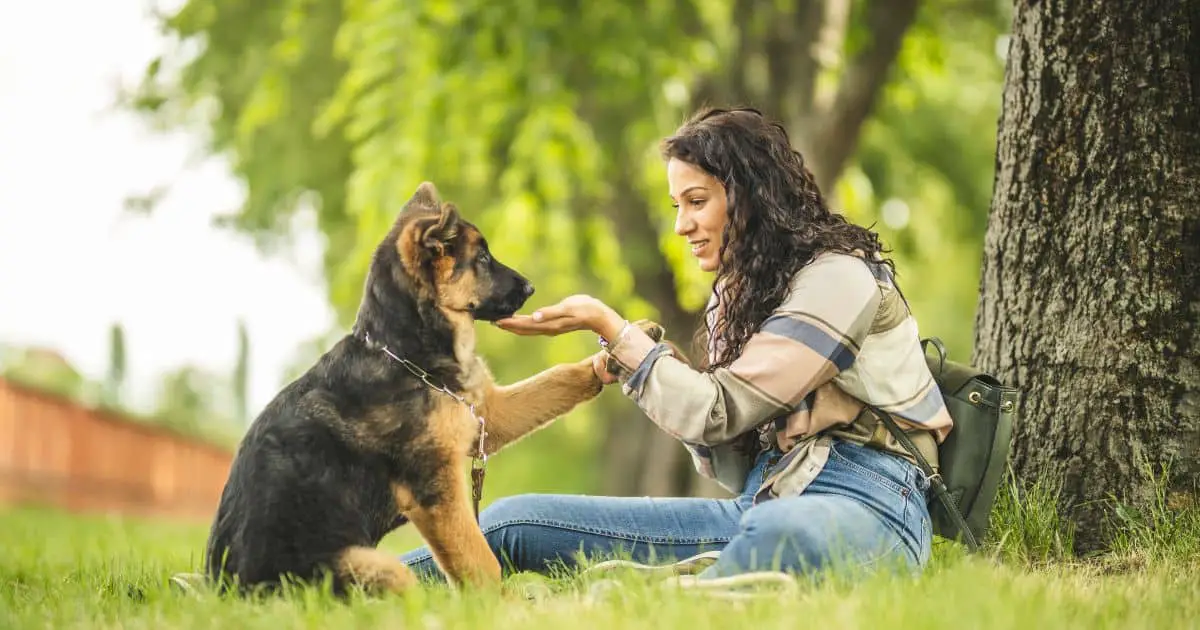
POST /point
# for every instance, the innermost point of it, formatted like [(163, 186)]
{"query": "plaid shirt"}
[(843, 335)]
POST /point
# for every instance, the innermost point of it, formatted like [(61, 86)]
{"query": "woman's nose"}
[(683, 224)]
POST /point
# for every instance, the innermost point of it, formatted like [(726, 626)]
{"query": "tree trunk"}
[(1090, 291)]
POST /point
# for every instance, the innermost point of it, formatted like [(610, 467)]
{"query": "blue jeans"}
[(865, 509)]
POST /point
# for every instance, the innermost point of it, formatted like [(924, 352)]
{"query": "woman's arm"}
[(808, 339)]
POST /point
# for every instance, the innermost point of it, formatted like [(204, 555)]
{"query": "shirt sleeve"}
[(814, 334)]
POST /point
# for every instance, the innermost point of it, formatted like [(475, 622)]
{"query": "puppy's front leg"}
[(448, 526), (514, 411)]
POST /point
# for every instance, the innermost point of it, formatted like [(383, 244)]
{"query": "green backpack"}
[(972, 459)]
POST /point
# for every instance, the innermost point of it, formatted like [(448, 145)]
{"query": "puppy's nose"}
[(527, 289)]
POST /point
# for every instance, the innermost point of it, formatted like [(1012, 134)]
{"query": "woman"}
[(804, 326)]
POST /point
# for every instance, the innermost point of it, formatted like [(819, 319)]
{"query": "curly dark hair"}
[(778, 220)]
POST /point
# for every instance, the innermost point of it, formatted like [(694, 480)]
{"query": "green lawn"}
[(59, 571)]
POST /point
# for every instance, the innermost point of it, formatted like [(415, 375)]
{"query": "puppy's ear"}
[(425, 197), (441, 231)]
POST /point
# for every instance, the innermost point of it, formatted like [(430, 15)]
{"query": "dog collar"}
[(479, 459)]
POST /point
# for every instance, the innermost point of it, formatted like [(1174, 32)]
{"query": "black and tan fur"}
[(358, 445)]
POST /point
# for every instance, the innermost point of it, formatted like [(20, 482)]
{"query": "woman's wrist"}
[(609, 324)]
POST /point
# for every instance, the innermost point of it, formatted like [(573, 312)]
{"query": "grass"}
[(59, 571)]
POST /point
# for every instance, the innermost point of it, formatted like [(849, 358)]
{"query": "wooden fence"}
[(57, 453)]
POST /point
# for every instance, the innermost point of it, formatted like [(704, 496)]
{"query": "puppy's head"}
[(447, 257)]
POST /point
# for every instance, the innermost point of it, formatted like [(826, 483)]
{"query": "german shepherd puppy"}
[(359, 445)]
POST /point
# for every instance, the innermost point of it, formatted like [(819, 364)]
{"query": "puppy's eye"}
[(484, 257)]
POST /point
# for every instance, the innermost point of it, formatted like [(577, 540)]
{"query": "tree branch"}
[(835, 138), (689, 19), (794, 60), (727, 85), (737, 89)]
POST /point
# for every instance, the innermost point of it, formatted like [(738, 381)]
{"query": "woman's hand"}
[(578, 312)]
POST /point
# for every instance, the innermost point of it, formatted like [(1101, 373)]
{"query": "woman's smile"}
[(700, 210)]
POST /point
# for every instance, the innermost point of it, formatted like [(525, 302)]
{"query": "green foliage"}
[(43, 369), (219, 90), (1031, 527), (527, 117), (931, 145), (194, 400), (1167, 527), (541, 121), (1027, 526)]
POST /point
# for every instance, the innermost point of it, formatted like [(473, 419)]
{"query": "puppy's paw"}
[(659, 335), (655, 331)]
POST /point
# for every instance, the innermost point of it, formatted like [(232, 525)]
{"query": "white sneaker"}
[(760, 585), (189, 583), (743, 586), (687, 566)]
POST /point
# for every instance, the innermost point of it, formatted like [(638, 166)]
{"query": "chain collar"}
[(479, 459)]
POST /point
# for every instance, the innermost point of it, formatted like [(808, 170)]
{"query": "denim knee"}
[(507, 510), (808, 534), (770, 540), (508, 525)]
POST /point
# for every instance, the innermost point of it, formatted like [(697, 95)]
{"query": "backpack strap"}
[(935, 478), (937, 345)]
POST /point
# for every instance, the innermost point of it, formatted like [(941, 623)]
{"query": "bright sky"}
[(72, 262)]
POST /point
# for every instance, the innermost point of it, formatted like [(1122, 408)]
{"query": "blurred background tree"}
[(541, 120), (114, 381), (43, 368), (241, 377)]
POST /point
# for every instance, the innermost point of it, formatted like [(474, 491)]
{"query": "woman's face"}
[(701, 213)]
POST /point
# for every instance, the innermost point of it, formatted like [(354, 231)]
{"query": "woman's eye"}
[(697, 202)]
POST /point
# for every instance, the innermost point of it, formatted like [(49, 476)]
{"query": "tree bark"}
[(1090, 288)]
